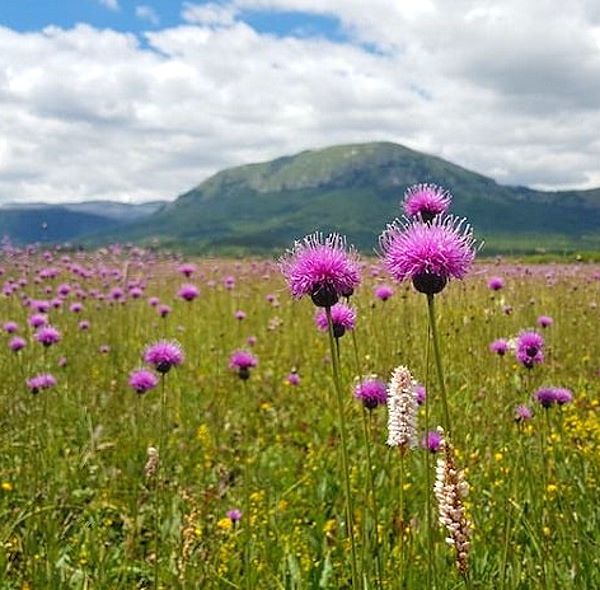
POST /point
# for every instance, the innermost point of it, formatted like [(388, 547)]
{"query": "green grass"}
[(76, 510)]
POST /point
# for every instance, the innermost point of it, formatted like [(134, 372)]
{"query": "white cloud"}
[(508, 89), (110, 4), (147, 13), (208, 14)]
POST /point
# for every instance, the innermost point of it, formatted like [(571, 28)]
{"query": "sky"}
[(136, 101)]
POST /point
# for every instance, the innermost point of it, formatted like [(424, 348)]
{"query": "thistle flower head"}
[(47, 335), (188, 292), (142, 381), (544, 321), (242, 361), (372, 392), (500, 346), (41, 382), (383, 292), (402, 409), (430, 254), (530, 349), (322, 268), (496, 283), (343, 317), (523, 413), (426, 201), (163, 355)]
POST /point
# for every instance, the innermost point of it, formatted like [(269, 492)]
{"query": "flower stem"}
[(342, 428), (430, 530), (438, 362), (370, 477)]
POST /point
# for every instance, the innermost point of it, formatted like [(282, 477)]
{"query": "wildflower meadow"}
[(412, 418)]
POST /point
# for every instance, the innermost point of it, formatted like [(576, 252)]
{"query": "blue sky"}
[(141, 16), (137, 100)]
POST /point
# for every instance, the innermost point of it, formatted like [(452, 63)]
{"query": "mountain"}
[(356, 190), (39, 222)]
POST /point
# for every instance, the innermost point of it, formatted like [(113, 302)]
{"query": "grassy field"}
[(80, 508)]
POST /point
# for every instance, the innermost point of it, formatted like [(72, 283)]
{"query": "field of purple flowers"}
[(317, 422)]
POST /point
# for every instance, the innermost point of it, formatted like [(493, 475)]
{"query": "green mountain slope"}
[(356, 189)]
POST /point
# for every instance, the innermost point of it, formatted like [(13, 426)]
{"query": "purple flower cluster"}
[(426, 201), (530, 349), (343, 318), (242, 361), (500, 346), (549, 396), (163, 355), (372, 392), (142, 380), (322, 268), (41, 382), (430, 254)]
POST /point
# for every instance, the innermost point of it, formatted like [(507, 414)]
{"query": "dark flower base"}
[(244, 373), (429, 283), (324, 296), (163, 367), (338, 331)]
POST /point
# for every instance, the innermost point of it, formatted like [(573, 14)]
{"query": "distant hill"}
[(352, 189), (356, 190), (39, 222)]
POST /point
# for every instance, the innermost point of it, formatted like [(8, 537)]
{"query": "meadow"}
[(243, 485)]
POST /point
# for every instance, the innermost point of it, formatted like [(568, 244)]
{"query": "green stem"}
[(438, 362), (430, 531), (370, 477), (342, 428)]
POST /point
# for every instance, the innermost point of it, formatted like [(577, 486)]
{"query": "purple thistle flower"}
[(240, 315), (62, 361), (563, 396), (40, 306), (372, 392), (293, 378), (546, 396), (426, 201), (76, 307), (343, 318), (496, 283), (500, 346), (84, 325), (153, 301), (11, 327), (40, 382), (163, 355), (242, 361), (48, 335), (383, 292), (420, 394), (432, 441), (428, 254), (116, 294), (251, 340), (104, 349), (37, 320), (17, 343), (322, 268), (523, 413), (142, 380), (187, 269), (163, 310), (530, 349), (544, 321), (188, 292), (234, 515)]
